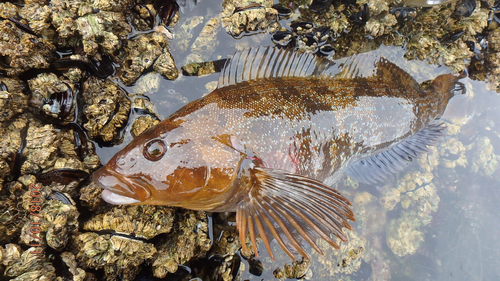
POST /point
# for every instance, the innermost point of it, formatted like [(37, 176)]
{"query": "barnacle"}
[(106, 109)]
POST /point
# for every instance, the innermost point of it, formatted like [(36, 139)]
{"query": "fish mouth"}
[(119, 189), (117, 199)]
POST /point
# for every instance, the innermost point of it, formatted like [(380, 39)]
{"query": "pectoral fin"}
[(291, 208)]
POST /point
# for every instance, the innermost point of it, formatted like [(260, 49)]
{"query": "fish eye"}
[(154, 150)]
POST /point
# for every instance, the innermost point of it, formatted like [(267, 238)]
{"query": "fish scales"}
[(272, 117), (271, 141)]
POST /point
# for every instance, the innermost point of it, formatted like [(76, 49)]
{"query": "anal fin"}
[(292, 209), (378, 167)]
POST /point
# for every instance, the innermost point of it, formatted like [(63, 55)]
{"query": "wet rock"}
[(404, 235), (11, 220), (90, 197), (39, 17), (142, 52), (58, 222), (345, 260), (27, 266), (116, 255), (296, 270), (103, 30), (77, 273), (143, 123), (7, 10), (42, 143), (378, 26), (188, 239), (12, 143), (484, 160), (106, 109), (452, 153), (21, 51), (139, 221), (248, 16), (206, 42), (13, 101), (492, 59), (165, 65)]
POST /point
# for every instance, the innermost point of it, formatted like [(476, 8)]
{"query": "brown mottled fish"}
[(272, 139)]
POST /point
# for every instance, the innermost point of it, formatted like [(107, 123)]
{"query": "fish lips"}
[(120, 189)]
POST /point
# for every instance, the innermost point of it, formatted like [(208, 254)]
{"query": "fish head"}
[(173, 168)]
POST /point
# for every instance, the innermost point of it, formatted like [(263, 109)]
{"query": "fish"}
[(273, 138)]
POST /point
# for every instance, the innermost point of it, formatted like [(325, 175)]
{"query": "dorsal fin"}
[(269, 62)]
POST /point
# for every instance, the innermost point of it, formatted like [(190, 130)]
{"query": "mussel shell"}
[(81, 143), (403, 14), (326, 50), (283, 12), (101, 68), (309, 39), (282, 38), (60, 103), (167, 11), (256, 266), (22, 26), (362, 16), (63, 176), (320, 5), (247, 7), (3, 87), (465, 8), (301, 26), (56, 195), (17, 159), (321, 34), (452, 37)]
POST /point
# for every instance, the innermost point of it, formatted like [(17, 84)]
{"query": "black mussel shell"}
[(283, 12), (81, 143), (308, 39), (282, 38), (320, 5), (56, 195), (301, 26), (247, 7), (3, 87), (63, 176), (59, 103), (452, 37), (321, 34), (362, 16), (167, 10), (465, 8), (101, 68), (326, 50), (17, 159), (256, 266), (403, 14), (98, 68)]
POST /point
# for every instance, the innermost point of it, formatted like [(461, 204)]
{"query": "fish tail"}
[(448, 85)]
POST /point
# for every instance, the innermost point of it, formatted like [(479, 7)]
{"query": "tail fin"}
[(448, 85)]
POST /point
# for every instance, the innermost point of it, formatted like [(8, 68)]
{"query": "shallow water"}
[(461, 242)]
